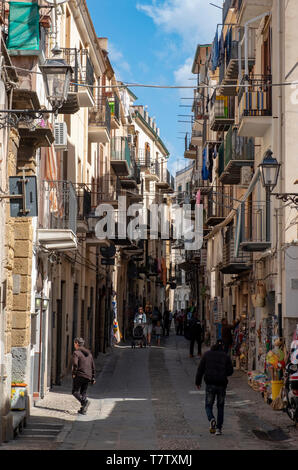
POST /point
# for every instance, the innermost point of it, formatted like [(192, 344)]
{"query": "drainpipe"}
[(280, 149)]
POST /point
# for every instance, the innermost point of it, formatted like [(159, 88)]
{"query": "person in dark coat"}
[(215, 366), (226, 335), (83, 373), (195, 333), (166, 323)]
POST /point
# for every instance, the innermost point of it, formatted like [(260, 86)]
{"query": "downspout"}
[(279, 218)]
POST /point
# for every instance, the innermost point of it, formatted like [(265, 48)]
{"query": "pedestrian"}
[(148, 312), (166, 323), (215, 366), (226, 335), (158, 332), (179, 323), (141, 319), (83, 373), (195, 331), (156, 316)]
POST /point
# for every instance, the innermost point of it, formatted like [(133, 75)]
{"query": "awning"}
[(23, 28)]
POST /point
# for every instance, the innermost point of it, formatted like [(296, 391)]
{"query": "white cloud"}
[(182, 78), (120, 65), (193, 20)]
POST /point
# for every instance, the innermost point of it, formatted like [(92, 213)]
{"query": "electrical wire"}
[(174, 87)]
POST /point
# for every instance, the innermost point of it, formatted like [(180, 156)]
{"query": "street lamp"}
[(269, 171), (56, 75)]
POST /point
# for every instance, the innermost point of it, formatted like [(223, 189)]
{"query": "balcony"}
[(253, 230), (114, 104), (165, 182), (190, 149), (255, 107), (200, 184), (249, 9), (232, 263), (84, 196), (106, 191), (197, 138), (222, 112), (149, 167), (131, 181), (81, 93), (57, 215), (100, 122), (233, 58), (120, 156), (215, 212), (237, 152)]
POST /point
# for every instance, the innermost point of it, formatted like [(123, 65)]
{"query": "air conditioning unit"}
[(246, 176), (60, 134)]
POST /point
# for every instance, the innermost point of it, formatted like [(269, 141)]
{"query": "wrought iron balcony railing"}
[(222, 112), (255, 99), (234, 153), (120, 149), (83, 71), (58, 205), (100, 114), (114, 104), (145, 161)]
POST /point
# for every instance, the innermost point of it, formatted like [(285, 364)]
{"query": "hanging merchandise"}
[(116, 331)]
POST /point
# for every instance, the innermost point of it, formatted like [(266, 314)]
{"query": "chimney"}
[(103, 42)]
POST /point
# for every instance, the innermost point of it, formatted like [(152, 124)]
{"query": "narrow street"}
[(145, 399)]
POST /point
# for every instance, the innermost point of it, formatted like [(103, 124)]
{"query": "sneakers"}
[(218, 432), (212, 426)]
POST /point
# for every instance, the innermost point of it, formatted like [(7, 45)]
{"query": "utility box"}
[(25, 206)]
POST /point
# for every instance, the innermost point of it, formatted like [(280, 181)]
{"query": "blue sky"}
[(154, 42)]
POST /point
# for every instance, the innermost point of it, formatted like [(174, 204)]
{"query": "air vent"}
[(60, 133)]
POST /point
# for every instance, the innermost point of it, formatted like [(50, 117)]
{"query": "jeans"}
[(79, 389), (212, 392)]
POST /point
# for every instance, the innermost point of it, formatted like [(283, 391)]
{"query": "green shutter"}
[(23, 28)]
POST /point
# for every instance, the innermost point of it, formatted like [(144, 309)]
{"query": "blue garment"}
[(215, 52), (205, 172), (212, 392)]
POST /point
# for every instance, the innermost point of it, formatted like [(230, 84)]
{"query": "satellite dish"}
[(57, 2)]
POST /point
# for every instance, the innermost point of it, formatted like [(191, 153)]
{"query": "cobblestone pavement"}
[(145, 399)]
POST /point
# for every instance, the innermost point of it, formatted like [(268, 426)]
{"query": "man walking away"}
[(166, 323), (195, 333), (83, 372), (215, 366), (226, 335)]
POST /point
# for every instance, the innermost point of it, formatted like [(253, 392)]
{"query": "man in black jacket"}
[(195, 333), (215, 366), (83, 372)]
